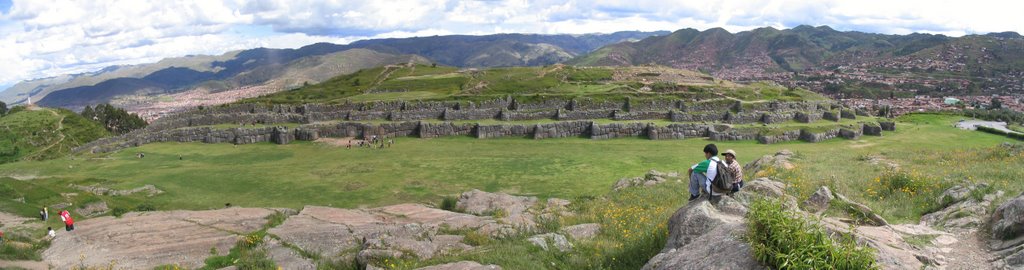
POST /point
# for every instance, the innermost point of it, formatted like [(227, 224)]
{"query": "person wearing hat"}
[(734, 168)]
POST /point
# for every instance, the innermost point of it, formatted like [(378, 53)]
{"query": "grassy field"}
[(44, 133), (424, 170)]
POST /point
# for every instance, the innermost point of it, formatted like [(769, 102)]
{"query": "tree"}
[(3, 108), (114, 119), (995, 104)]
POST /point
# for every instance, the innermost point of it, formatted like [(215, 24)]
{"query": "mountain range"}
[(835, 62), (841, 64), (280, 69)]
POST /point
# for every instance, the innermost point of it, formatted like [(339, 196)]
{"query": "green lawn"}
[(423, 170)]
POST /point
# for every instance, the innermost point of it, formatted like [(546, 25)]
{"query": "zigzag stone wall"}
[(584, 129)]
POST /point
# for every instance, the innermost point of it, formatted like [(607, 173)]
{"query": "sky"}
[(44, 38)]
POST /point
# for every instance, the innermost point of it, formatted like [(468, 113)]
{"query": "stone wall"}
[(872, 129), (654, 105), (617, 130), (471, 114), (888, 126), (733, 134), (808, 136), (848, 114), (790, 135), (641, 115), (562, 130), (772, 118), (434, 130), (368, 115), (676, 116), (807, 117), (417, 115), (830, 115), (584, 115), (507, 115), (851, 132), (586, 104), (498, 131), (743, 117)]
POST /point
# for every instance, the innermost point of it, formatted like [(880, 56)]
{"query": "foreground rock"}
[(1007, 232), (391, 231), (964, 213), (554, 240), (143, 240), (779, 161), (463, 265), (508, 208), (650, 179), (699, 229), (582, 231), (412, 230)]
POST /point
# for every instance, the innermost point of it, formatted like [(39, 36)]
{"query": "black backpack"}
[(723, 179)]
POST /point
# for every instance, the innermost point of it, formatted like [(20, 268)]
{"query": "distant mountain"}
[(830, 61), (256, 70), (286, 68), (502, 49)]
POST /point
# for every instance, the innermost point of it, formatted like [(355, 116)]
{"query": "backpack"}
[(723, 179)]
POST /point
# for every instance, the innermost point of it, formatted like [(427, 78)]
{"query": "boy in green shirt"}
[(703, 172)]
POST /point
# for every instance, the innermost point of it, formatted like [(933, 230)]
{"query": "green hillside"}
[(423, 82), (39, 134)]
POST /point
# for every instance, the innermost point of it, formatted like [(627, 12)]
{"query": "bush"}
[(783, 240), (448, 203), (145, 207), (118, 211)]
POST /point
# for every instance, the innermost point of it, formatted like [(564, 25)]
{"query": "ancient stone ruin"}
[(706, 118)]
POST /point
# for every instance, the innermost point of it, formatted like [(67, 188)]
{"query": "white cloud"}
[(47, 38)]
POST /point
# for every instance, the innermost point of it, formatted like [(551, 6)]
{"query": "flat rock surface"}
[(143, 240), (463, 265), (339, 233)]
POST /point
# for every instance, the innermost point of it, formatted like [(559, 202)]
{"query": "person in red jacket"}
[(69, 223)]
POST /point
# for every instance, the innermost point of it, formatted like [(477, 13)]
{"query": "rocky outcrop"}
[(650, 179), (819, 201), (888, 126), (463, 265), (785, 136), (551, 240), (581, 231), (507, 208), (818, 136), (368, 234), (150, 190), (963, 212), (693, 229), (872, 129), (143, 240), (780, 160)]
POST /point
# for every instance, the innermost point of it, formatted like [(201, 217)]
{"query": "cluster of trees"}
[(115, 120)]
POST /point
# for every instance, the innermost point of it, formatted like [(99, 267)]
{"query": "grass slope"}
[(44, 134), (422, 82), (424, 170)]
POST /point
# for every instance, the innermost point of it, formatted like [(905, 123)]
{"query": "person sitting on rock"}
[(702, 172), (50, 234), (734, 168)]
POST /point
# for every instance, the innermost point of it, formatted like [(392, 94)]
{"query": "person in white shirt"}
[(50, 234)]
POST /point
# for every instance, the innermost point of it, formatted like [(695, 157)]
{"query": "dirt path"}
[(31, 265), (60, 133)]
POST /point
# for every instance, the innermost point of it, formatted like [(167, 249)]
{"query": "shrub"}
[(118, 211), (448, 203), (783, 240), (145, 207)]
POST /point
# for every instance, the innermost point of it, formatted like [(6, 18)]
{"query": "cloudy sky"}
[(41, 38)]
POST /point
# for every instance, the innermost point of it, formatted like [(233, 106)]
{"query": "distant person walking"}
[(703, 172), (44, 214), (69, 223), (734, 169)]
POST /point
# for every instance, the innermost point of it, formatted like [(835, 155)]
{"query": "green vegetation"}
[(44, 134), (423, 82), (115, 120), (21, 244), (248, 252), (782, 239)]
